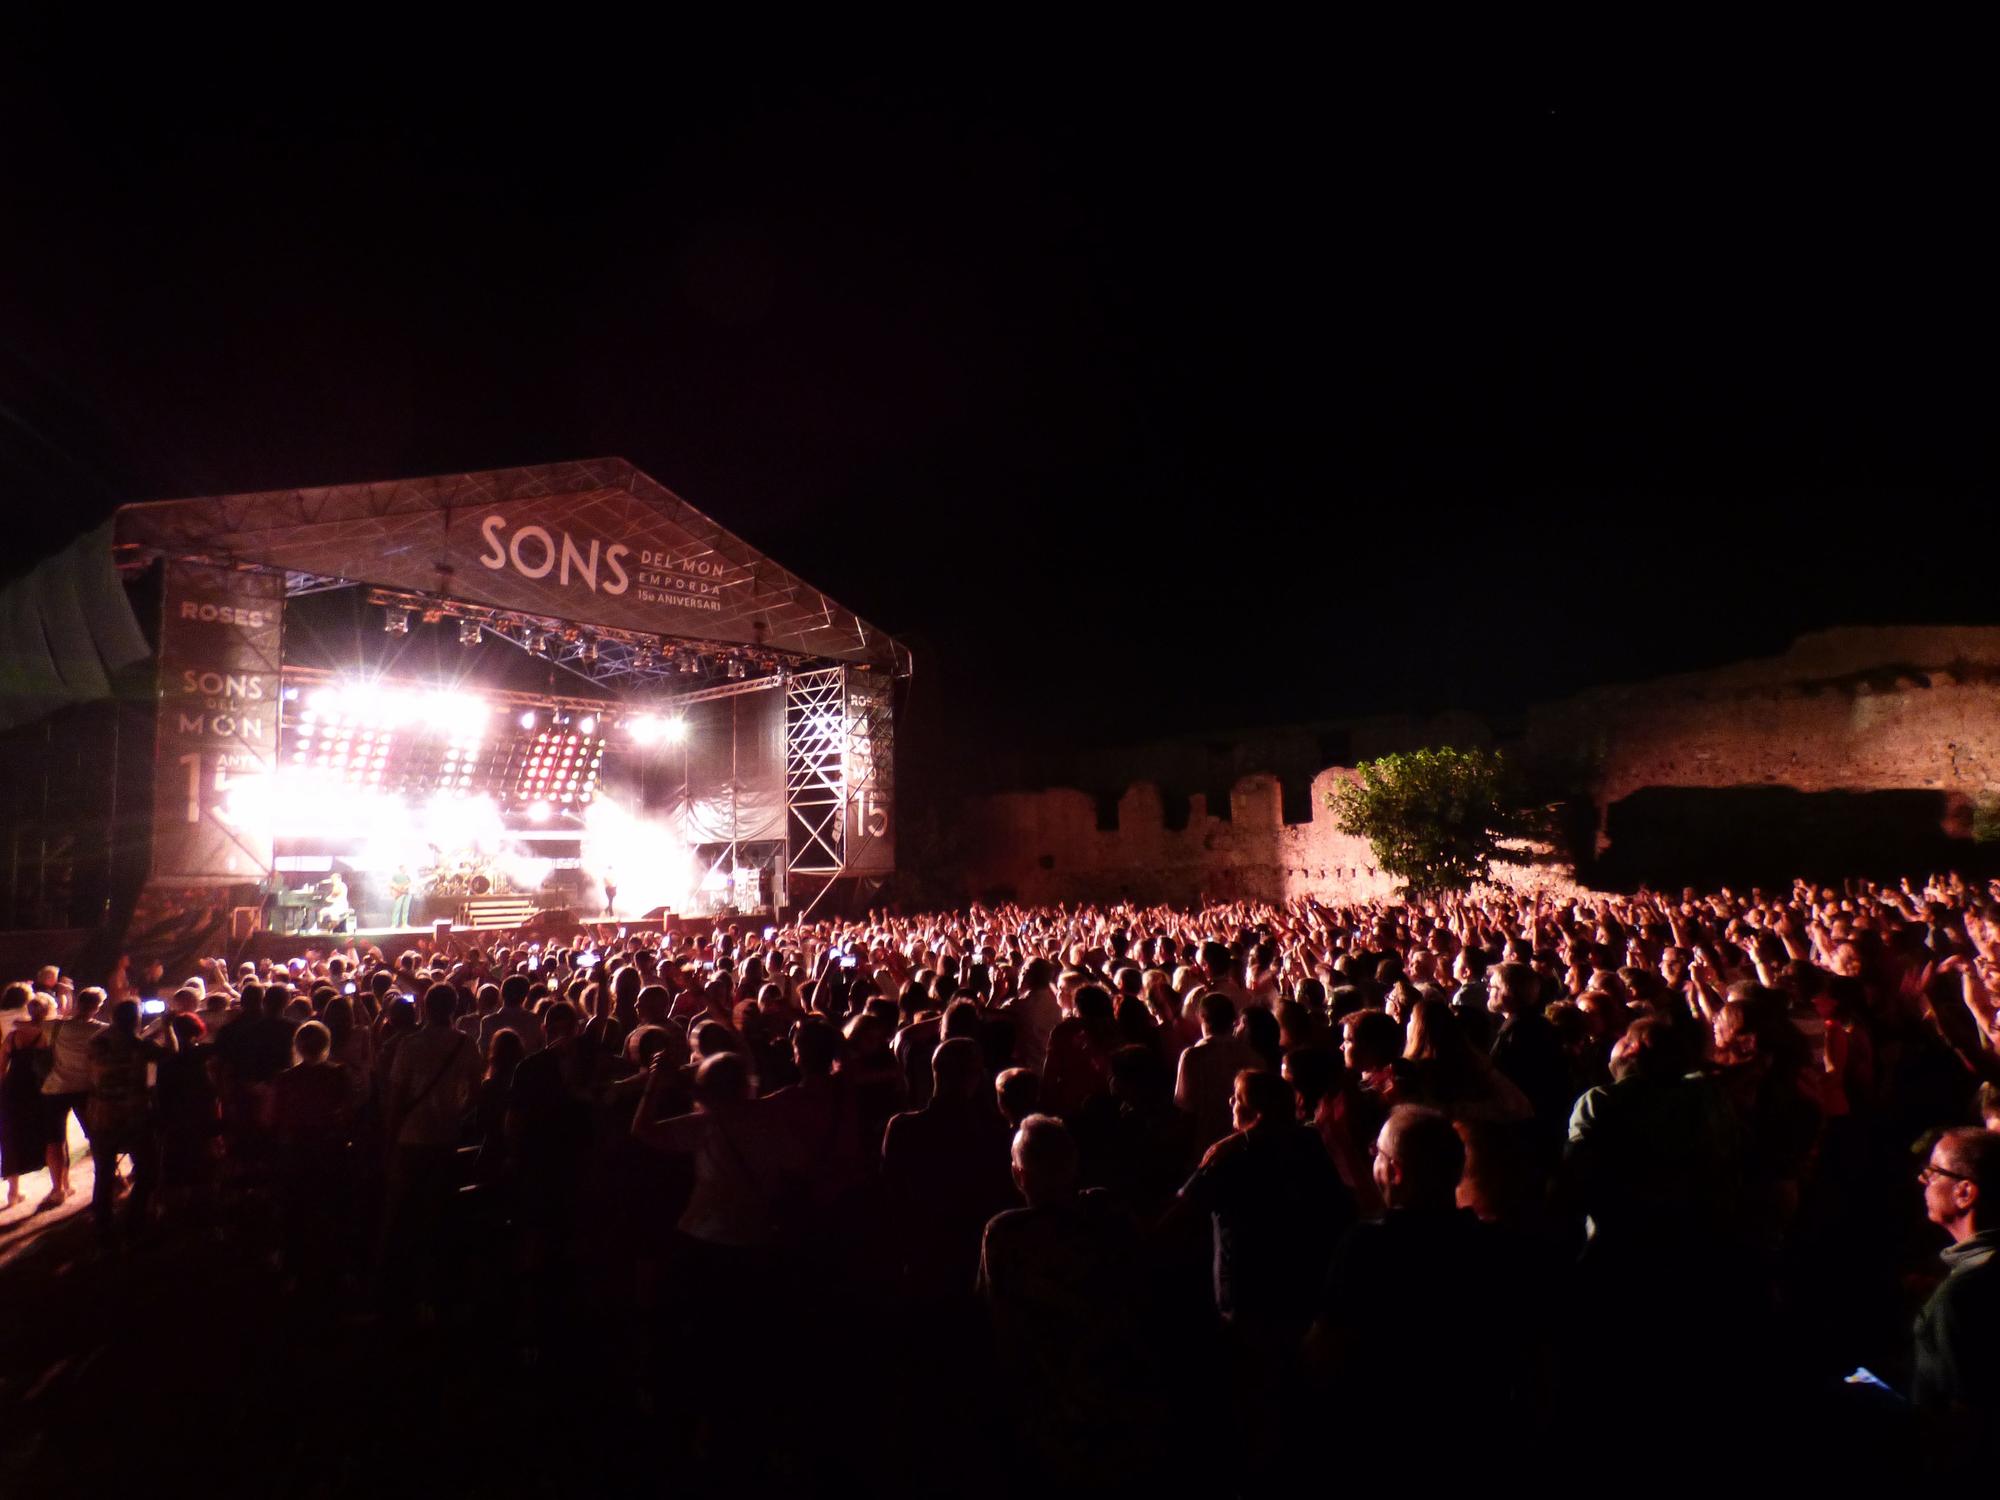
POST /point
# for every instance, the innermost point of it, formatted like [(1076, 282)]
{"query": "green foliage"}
[(1435, 818), (1986, 818)]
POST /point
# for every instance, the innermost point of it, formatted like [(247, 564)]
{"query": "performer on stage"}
[(610, 894), (269, 889), (399, 895), (337, 915)]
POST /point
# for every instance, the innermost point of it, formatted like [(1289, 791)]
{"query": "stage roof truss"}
[(609, 657), (304, 677), (426, 534), (297, 584)]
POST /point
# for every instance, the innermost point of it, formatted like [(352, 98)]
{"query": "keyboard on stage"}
[(291, 909)]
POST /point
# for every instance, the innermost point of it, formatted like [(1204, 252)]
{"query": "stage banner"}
[(221, 640), (594, 544), (869, 834)]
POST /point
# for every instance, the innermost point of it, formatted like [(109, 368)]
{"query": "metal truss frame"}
[(617, 659), (816, 772), (729, 856)]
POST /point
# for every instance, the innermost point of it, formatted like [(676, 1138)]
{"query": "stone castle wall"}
[(1898, 711), (1047, 846), (1843, 710)]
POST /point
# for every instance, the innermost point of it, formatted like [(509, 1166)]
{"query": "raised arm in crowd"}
[(1141, 1188)]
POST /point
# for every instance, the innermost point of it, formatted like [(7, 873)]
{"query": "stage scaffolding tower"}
[(816, 772)]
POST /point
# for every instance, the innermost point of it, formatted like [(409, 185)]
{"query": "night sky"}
[(1141, 394)]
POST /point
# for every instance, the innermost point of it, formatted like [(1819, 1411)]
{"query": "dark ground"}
[(187, 1365), (187, 1361)]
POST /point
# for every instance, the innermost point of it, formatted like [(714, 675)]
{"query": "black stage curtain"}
[(734, 783)]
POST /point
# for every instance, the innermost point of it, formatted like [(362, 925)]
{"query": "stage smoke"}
[(650, 865)]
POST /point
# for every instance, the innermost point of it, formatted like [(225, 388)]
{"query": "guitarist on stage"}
[(399, 895)]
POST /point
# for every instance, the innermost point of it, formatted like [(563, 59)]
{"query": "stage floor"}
[(282, 946)]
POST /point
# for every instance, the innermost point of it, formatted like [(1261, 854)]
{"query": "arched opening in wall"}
[(1107, 811), (1176, 808), (1218, 801), (1769, 836), (1220, 778), (1295, 798)]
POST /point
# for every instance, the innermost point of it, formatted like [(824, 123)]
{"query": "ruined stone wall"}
[(1046, 846), (1898, 710), (1842, 710)]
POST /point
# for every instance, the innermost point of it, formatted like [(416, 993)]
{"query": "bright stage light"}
[(587, 724), (540, 812), (365, 702), (654, 729), (528, 719), (452, 704)]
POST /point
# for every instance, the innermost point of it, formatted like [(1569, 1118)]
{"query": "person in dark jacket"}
[(1957, 1371)]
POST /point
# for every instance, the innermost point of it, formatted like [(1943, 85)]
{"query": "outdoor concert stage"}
[(252, 714)]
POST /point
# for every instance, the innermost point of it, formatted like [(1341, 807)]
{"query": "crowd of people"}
[(1141, 1196)]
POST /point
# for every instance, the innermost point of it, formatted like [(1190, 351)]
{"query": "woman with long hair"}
[(23, 1053), (1461, 1079), (489, 1105), (1766, 1070), (350, 1046)]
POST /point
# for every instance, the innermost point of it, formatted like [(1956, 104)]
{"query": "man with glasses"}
[(1958, 1331)]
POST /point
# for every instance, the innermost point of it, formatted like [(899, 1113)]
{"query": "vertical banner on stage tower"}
[(221, 640), (869, 831)]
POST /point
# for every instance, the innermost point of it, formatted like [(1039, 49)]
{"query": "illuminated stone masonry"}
[(1868, 746)]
